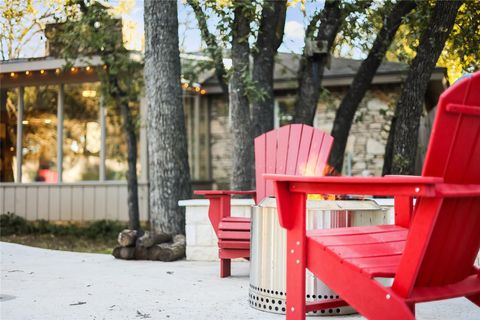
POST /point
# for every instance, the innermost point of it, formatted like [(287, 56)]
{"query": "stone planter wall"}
[(201, 239)]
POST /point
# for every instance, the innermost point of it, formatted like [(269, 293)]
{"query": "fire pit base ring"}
[(274, 302)]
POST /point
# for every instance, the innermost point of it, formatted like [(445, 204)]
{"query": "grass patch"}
[(97, 237)]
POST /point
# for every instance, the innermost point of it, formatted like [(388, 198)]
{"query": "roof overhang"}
[(28, 72), (340, 81)]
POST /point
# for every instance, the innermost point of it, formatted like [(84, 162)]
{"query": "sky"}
[(189, 34)]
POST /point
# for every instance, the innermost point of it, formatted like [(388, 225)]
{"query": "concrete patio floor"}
[(46, 284)]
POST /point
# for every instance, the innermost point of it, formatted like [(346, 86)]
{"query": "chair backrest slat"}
[(303, 151), (293, 149), (283, 135), (260, 162), (323, 155), (315, 148), (271, 158), (444, 237)]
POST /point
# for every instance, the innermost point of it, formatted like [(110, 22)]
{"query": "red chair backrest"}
[(294, 149), (444, 236)]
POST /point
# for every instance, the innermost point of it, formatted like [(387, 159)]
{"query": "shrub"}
[(12, 224)]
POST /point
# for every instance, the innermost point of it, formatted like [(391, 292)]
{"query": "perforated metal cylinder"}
[(268, 250)]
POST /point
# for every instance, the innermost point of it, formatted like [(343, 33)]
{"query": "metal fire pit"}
[(268, 249)]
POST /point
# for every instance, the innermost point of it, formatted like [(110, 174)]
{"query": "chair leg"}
[(225, 267), (475, 299), (295, 303)]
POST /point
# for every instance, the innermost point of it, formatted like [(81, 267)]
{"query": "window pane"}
[(286, 109), (197, 129), (8, 134), (117, 150), (81, 133), (40, 135)]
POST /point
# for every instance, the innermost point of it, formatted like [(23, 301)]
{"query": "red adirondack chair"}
[(293, 149), (431, 249)]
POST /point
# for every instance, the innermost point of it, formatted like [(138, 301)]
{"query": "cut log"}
[(149, 239), (126, 253), (141, 253), (127, 237), (168, 251)]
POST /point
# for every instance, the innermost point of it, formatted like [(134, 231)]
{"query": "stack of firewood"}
[(148, 246)]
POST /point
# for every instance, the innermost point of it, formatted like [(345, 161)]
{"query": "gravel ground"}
[(47, 284)]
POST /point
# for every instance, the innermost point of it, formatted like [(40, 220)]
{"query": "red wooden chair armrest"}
[(393, 185), (286, 186), (220, 207), (224, 192)]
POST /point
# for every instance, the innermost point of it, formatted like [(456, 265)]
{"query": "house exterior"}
[(369, 133), (63, 154)]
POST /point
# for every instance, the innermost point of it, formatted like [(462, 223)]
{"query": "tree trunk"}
[(270, 35), (6, 170), (312, 67), (241, 128), (121, 99), (363, 79), (387, 159), (132, 182), (213, 49), (410, 105), (167, 143)]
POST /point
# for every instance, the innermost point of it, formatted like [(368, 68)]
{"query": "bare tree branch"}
[(213, 49)]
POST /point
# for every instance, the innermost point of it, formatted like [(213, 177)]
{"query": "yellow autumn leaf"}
[(292, 3), (124, 6), (224, 3)]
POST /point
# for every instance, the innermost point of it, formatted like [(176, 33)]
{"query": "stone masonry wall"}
[(366, 143), (370, 128)]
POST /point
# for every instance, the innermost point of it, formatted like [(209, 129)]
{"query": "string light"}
[(27, 73), (12, 74), (42, 71), (73, 69), (88, 68), (57, 71), (195, 87)]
